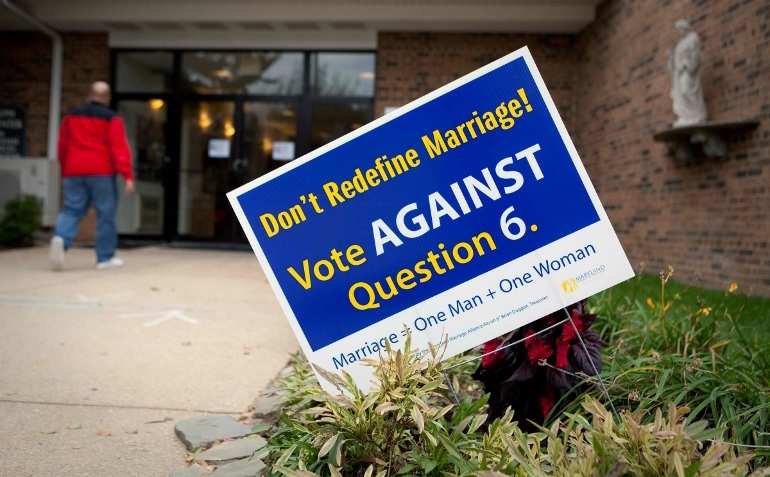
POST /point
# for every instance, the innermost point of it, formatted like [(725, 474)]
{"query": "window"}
[(342, 74), (255, 73), (267, 126), (145, 123), (332, 121), (144, 72)]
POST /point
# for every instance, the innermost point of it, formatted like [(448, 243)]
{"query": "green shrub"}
[(404, 426), (20, 221)]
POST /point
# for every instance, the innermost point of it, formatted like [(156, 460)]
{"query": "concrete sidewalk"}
[(173, 334)]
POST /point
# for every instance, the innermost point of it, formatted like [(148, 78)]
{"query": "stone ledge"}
[(711, 139)]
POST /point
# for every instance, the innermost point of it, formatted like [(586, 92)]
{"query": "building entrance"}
[(201, 124), (225, 144)]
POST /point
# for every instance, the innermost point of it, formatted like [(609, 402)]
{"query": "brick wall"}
[(25, 75), (712, 218), (611, 86), (410, 65)]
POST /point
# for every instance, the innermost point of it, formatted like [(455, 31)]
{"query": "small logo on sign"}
[(569, 285)]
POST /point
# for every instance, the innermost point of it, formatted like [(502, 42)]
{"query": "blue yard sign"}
[(460, 216)]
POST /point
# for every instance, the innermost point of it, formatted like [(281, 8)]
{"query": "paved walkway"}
[(173, 334)]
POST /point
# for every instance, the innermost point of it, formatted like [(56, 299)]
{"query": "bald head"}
[(100, 92)]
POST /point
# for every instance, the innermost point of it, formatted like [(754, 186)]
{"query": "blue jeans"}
[(79, 192)]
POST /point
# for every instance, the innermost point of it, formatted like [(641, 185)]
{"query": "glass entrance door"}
[(223, 145), (207, 156), (269, 140), (202, 123), (142, 214)]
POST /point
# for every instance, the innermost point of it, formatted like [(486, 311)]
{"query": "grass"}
[(754, 315), (704, 349)]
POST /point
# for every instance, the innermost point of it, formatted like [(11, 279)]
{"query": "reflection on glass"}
[(144, 72), (268, 73), (145, 122), (332, 121), (269, 136), (342, 74), (206, 158)]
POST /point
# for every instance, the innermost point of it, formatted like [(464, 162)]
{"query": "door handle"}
[(240, 164)]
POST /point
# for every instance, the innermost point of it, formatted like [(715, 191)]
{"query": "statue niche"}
[(692, 137)]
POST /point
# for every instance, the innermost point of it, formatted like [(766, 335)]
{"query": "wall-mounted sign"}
[(283, 150), (219, 148), (13, 131), (460, 216)]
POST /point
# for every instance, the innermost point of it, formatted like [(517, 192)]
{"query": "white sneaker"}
[(56, 253), (114, 262)]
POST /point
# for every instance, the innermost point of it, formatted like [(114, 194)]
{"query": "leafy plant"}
[(297, 389), (20, 221), (402, 426), (596, 444)]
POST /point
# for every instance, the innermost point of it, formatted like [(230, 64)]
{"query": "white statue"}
[(684, 65)]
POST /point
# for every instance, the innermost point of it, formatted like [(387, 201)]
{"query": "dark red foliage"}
[(491, 360), (536, 349), (515, 376)]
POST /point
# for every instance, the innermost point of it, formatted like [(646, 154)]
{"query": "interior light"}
[(288, 113), (223, 73), (156, 104), (204, 121), (367, 75), (229, 129)]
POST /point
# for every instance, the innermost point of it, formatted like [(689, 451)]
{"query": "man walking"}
[(92, 149)]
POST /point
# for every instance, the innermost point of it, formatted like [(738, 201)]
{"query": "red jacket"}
[(92, 142)]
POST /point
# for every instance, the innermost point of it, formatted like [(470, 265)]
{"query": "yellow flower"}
[(650, 303), (705, 311), (733, 287)]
